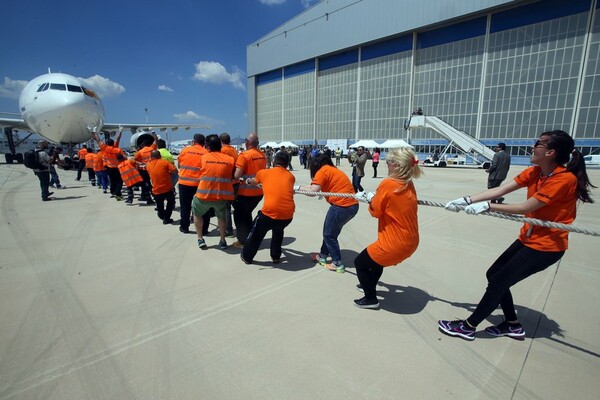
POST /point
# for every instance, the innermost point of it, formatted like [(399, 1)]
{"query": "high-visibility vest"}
[(129, 173), (144, 155), (255, 160), (216, 177), (89, 160), (99, 161), (190, 164), (81, 153), (110, 155)]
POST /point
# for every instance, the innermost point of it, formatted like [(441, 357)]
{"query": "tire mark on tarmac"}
[(67, 306)]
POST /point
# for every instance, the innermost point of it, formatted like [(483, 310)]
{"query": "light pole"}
[(146, 109)]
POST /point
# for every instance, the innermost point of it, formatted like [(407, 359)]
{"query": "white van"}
[(592, 159)]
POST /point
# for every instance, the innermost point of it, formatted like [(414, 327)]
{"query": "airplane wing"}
[(14, 123), (110, 127)]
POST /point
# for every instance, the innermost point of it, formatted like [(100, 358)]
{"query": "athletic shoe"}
[(222, 244), (118, 198), (238, 245), (457, 328), (360, 288), (46, 199), (202, 244), (335, 267), (245, 262), (229, 234), (514, 331), (104, 191), (366, 303), (316, 257)]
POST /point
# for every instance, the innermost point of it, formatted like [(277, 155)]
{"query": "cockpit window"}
[(57, 86), (90, 93), (73, 88), (43, 86)]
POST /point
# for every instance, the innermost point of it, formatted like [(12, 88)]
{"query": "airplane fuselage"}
[(61, 109)]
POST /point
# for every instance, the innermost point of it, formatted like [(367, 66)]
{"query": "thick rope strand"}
[(511, 217)]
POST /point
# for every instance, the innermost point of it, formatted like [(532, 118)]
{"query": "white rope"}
[(511, 217)]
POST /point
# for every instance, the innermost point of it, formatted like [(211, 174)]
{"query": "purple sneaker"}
[(514, 331), (457, 328)]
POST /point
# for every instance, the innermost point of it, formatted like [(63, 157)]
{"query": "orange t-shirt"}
[(89, 160), (160, 175), (395, 205), (230, 151), (278, 189), (559, 192), (250, 162), (334, 180), (81, 153)]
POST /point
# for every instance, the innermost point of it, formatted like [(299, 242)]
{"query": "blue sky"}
[(185, 60)]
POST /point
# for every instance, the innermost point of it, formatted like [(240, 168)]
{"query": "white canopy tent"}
[(272, 145), (393, 143), (287, 144), (367, 144)]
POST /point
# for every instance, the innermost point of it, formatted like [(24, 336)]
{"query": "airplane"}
[(62, 109)]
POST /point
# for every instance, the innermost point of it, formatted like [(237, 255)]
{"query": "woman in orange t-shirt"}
[(554, 185), (327, 178), (394, 204), (278, 207)]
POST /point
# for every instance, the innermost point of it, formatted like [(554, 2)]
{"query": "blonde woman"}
[(394, 204)]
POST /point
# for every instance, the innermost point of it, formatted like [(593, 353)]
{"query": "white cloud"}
[(307, 3), (165, 88), (192, 116), (11, 88), (103, 86), (272, 2), (214, 72)]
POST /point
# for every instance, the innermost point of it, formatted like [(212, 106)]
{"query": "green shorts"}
[(201, 207)]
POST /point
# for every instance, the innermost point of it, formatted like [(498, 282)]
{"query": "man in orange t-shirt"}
[(160, 172), (248, 164), (143, 157), (89, 165), (278, 208), (81, 156)]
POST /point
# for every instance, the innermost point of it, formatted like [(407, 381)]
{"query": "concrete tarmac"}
[(99, 300)]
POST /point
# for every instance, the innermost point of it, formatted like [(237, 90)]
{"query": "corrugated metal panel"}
[(332, 25)]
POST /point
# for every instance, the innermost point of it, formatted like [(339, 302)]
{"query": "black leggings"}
[(515, 264), (368, 273)]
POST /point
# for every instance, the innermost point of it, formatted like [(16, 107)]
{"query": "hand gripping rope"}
[(511, 217)]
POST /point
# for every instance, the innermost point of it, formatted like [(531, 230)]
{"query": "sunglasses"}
[(538, 143)]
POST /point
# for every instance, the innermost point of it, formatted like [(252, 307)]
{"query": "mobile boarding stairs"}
[(475, 153)]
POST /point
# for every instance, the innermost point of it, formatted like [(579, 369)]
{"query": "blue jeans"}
[(335, 220)]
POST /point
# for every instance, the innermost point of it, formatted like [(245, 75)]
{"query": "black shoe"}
[(50, 194), (366, 303), (167, 221), (150, 202), (46, 199), (184, 230)]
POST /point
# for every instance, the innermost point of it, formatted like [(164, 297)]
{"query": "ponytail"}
[(577, 167)]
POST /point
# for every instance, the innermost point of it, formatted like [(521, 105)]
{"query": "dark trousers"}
[(80, 167), (368, 273), (375, 165), (186, 195), (92, 176), (116, 182), (44, 177), (492, 183), (242, 215), (147, 187), (356, 183), (163, 212), (515, 264), (130, 190), (263, 224)]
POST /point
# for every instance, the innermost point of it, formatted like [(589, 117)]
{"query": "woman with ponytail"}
[(554, 185), (394, 204)]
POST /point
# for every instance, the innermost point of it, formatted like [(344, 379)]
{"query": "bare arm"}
[(311, 188), (238, 173), (526, 207)]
